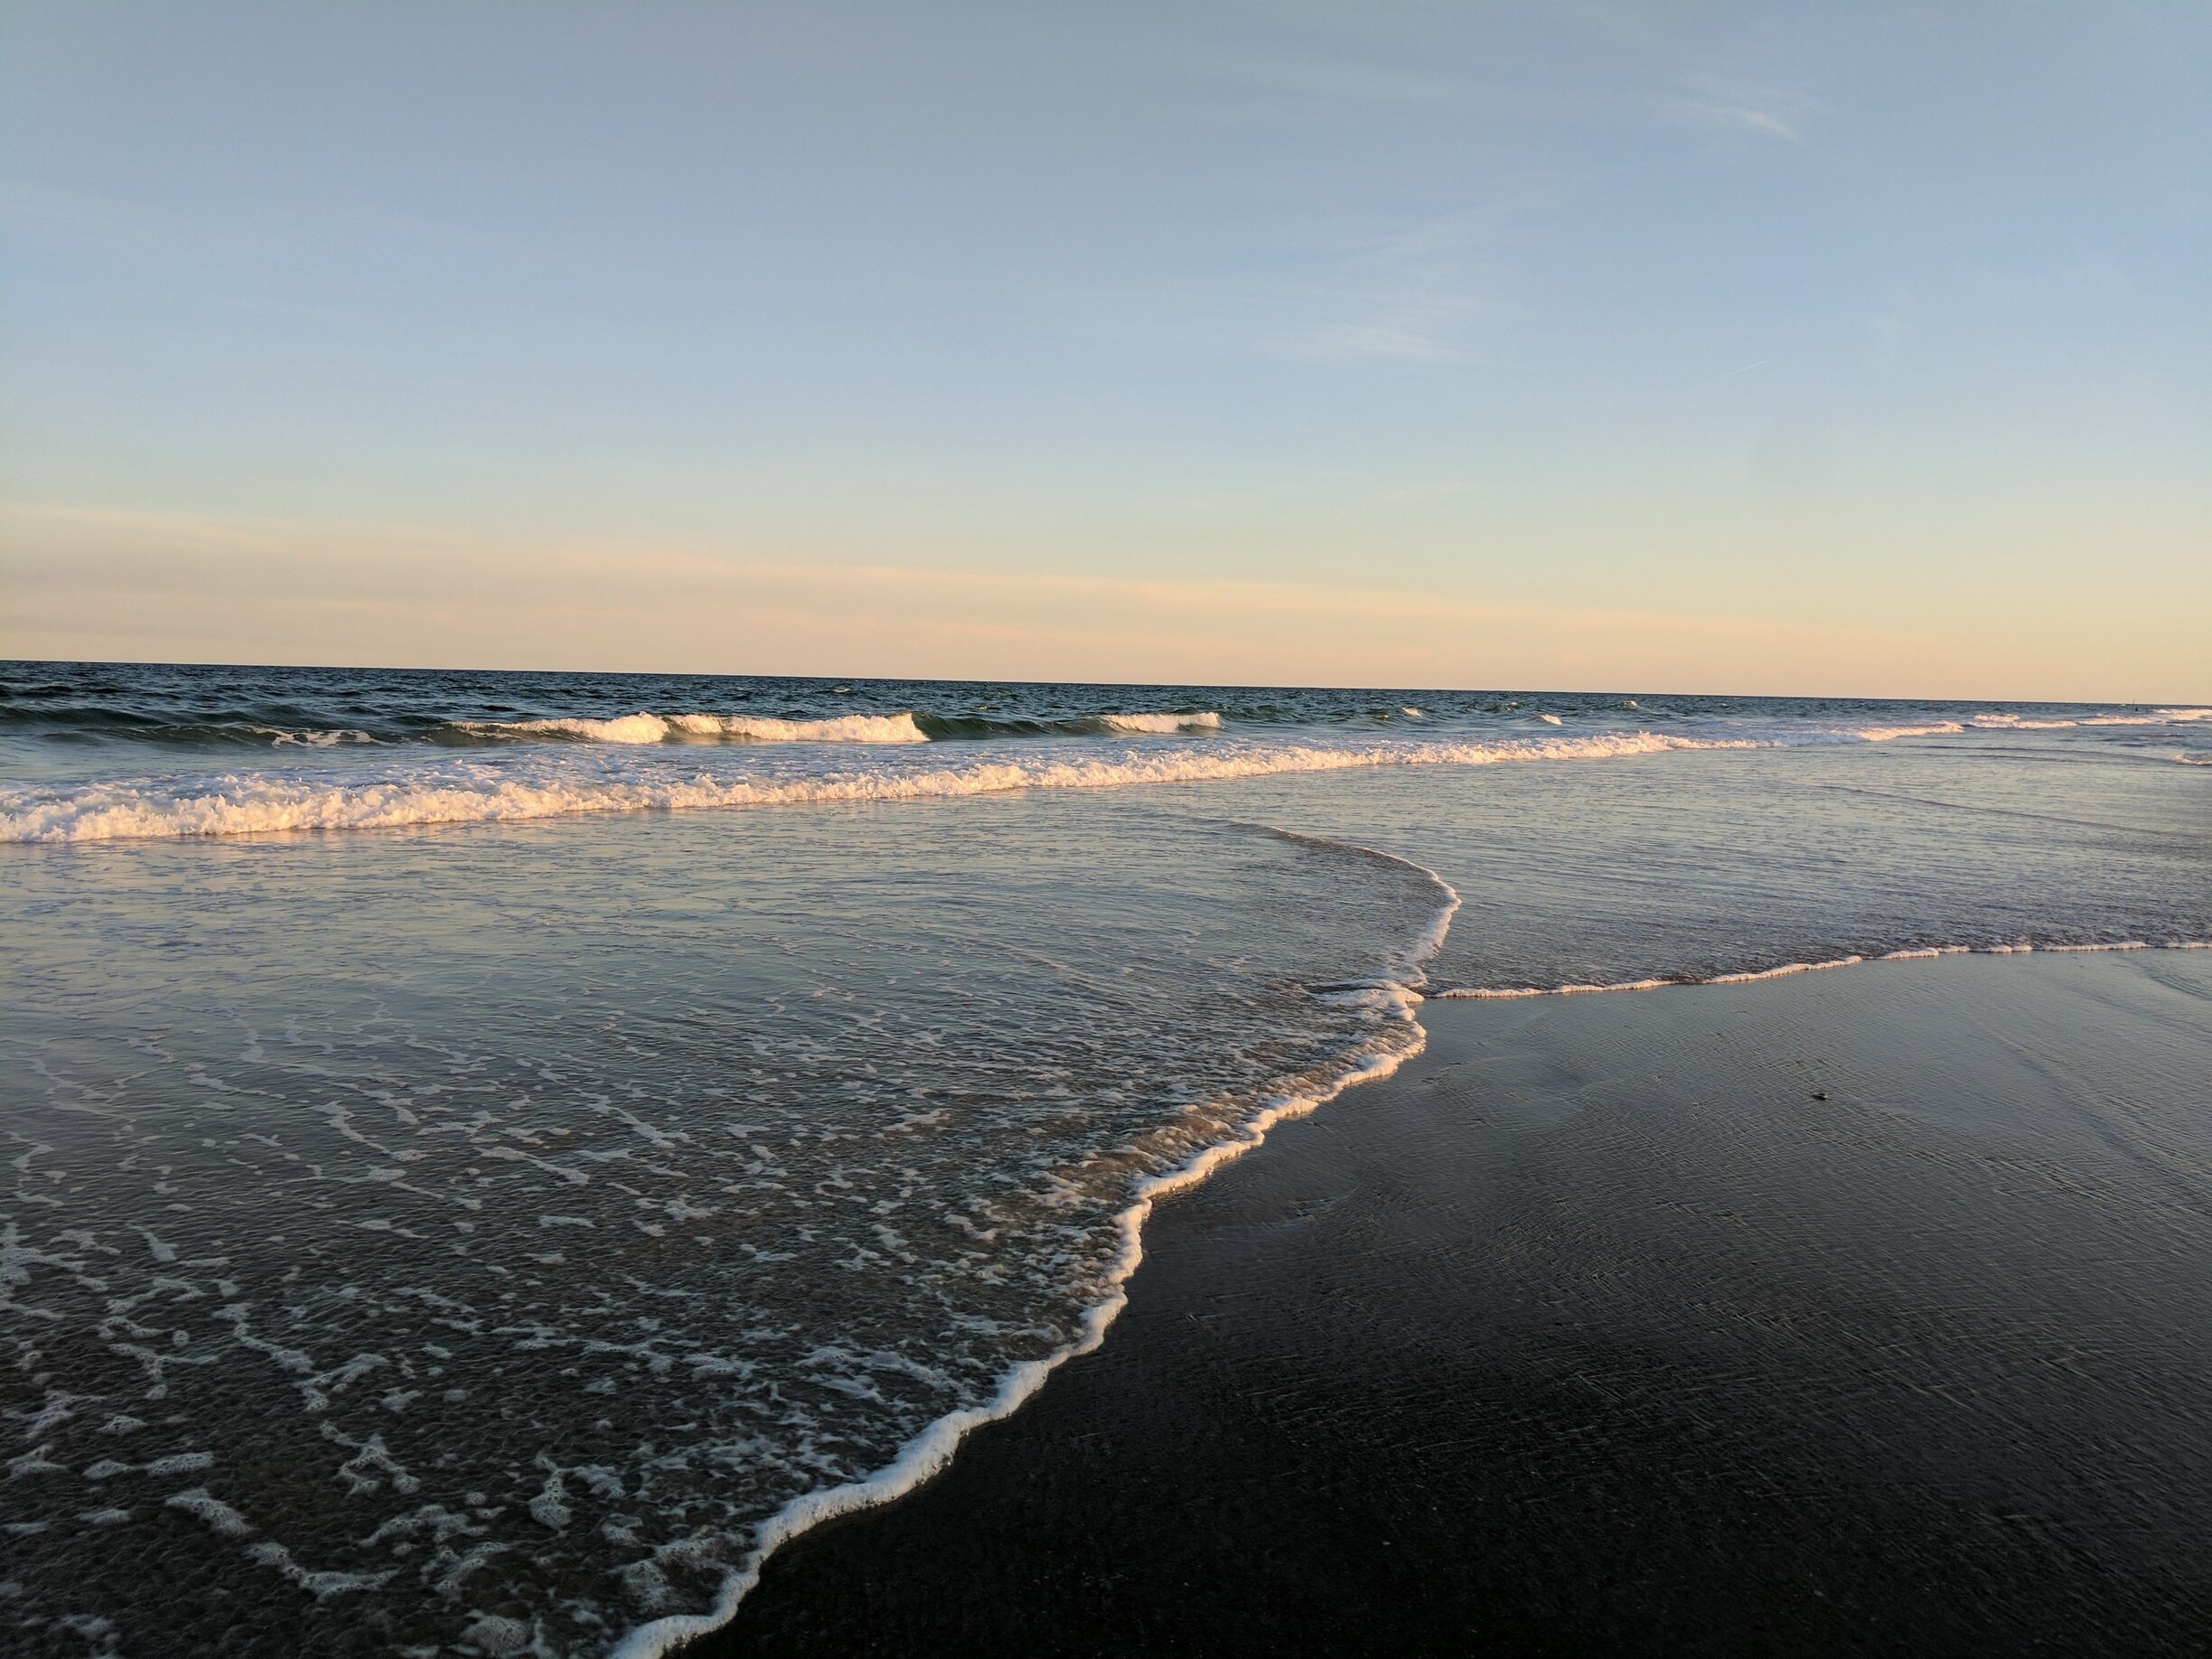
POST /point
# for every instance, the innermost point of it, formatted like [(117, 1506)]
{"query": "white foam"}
[(1886, 734), (929, 1452), (643, 728), (280, 738), (181, 1463), (1785, 971), (535, 782), (201, 1505), (845, 728), (2009, 722), (321, 1585), (1476, 994), (445, 793), (1923, 953), (625, 728), (1999, 720), (1161, 725)]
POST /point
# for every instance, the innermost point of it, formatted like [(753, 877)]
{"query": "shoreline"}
[(922, 1457), (1929, 953), (929, 1453), (1014, 1512)]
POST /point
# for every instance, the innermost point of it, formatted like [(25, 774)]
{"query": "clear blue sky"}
[(1757, 347)]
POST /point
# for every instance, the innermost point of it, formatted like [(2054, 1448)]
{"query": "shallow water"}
[(462, 1234), (1845, 1313)]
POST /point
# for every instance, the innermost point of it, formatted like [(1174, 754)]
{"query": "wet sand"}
[(1861, 1311)]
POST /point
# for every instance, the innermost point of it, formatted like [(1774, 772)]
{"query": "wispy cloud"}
[(1413, 297), (1422, 293), (1725, 106)]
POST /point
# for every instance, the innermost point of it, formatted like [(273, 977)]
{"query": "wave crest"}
[(1885, 733), (249, 803), (643, 729), (1160, 724)]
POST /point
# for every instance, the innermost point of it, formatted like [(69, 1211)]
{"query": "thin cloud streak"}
[(1767, 112)]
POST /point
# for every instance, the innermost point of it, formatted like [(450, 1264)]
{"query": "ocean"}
[(494, 1152)]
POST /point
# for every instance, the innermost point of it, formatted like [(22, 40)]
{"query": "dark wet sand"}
[(1597, 1329)]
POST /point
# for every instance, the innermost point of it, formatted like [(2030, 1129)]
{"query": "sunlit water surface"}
[(462, 1232)]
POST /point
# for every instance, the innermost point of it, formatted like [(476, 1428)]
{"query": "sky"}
[(1669, 347)]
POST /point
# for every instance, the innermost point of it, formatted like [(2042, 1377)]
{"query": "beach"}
[(493, 1162), (1031, 831), (1858, 1311)]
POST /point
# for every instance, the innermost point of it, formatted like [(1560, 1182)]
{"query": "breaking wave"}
[(905, 727), (565, 767), (456, 792), (1888, 734), (643, 728), (1159, 723)]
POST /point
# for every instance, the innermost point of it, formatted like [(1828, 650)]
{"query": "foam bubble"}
[(203, 1505)]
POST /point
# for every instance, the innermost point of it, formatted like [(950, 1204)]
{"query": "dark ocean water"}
[(484, 1146)]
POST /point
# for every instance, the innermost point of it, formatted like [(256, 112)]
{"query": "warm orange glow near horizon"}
[(117, 587)]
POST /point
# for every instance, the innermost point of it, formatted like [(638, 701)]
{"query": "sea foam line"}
[(930, 1450), (643, 729), (474, 792), (646, 728), (453, 792), (1471, 993)]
